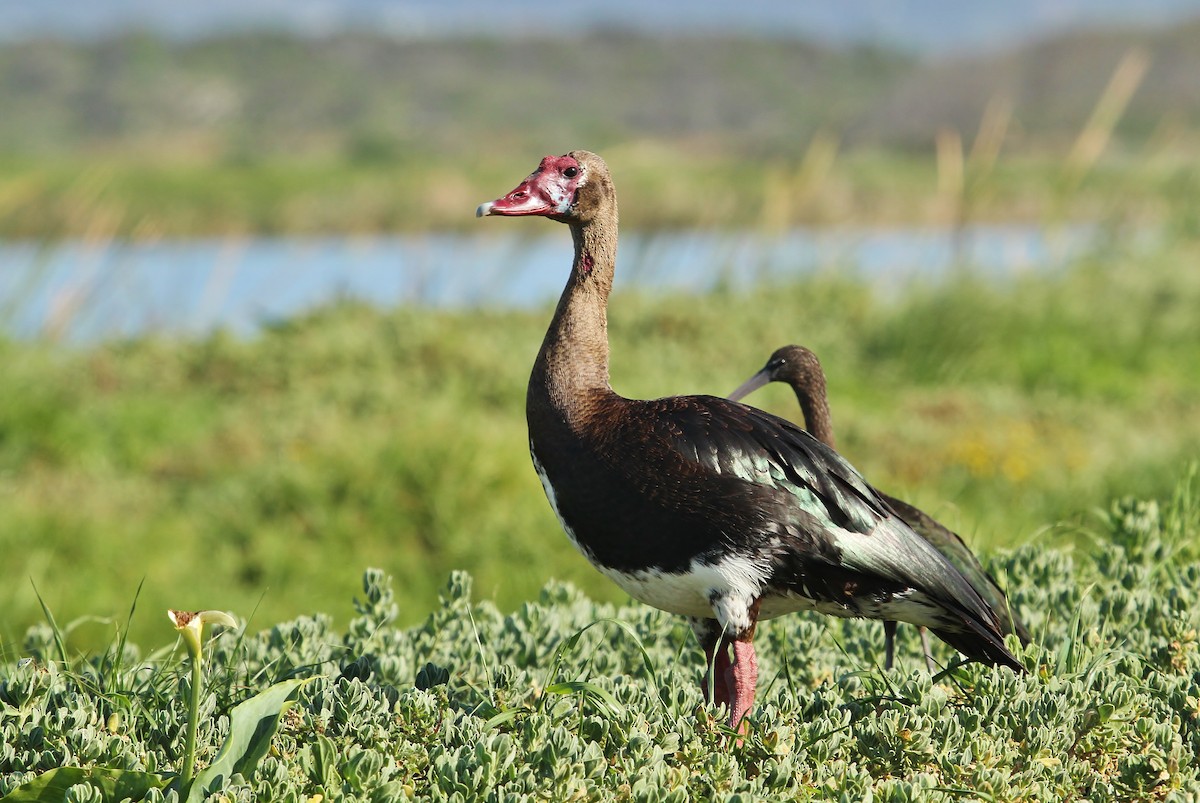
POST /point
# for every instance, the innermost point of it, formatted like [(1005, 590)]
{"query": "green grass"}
[(263, 474), (568, 699), (128, 195)]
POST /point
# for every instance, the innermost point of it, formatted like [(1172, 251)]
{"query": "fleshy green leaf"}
[(251, 726), (113, 784)]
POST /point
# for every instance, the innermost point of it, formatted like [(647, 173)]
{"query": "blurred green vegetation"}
[(265, 473)]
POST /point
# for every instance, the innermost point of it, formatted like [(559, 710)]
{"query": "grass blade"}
[(59, 643)]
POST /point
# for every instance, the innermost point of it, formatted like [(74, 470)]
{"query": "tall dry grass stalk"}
[(789, 195), (815, 168), (950, 175), (1097, 132), (99, 224), (960, 179), (220, 280), (993, 128)]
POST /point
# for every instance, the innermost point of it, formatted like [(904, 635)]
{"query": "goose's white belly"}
[(725, 588)]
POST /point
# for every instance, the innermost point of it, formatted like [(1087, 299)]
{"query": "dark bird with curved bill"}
[(701, 506), (799, 368)]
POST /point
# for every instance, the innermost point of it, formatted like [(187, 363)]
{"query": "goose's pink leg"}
[(741, 678)]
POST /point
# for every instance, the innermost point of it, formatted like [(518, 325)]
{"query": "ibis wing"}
[(955, 550)]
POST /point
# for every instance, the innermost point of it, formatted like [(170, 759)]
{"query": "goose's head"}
[(572, 188)]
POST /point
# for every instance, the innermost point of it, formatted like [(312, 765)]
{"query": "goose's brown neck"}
[(572, 367)]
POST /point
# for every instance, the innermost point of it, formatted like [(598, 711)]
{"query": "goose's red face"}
[(549, 191)]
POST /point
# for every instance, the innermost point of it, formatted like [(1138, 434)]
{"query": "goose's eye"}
[(571, 172)]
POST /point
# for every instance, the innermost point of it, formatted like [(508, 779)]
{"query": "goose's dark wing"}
[(782, 486)]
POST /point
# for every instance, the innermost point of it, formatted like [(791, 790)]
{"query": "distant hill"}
[(375, 97), (1052, 86)]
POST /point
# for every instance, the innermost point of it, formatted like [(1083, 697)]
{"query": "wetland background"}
[(255, 341)]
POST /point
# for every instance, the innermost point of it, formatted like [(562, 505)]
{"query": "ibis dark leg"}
[(929, 662), (718, 666), (716, 659), (889, 643)]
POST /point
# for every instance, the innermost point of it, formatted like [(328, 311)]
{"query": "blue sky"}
[(929, 26)]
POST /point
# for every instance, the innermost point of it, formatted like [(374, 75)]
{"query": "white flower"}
[(190, 625)]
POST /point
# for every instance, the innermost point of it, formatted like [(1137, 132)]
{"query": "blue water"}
[(79, 292)]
